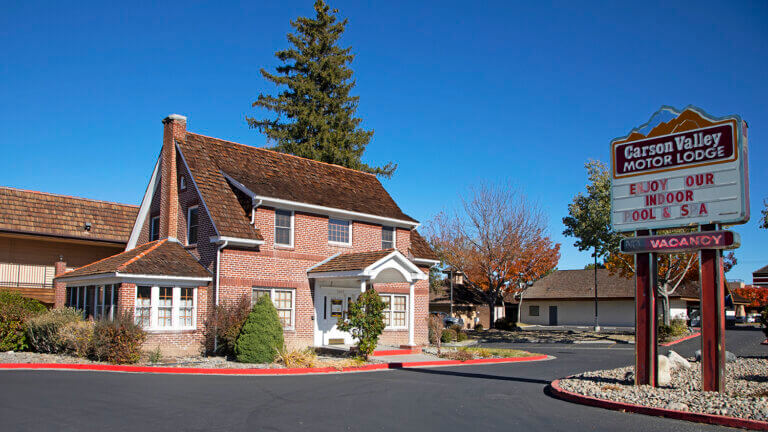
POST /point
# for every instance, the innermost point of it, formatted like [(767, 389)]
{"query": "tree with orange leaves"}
[(497, 238), (757, 296)]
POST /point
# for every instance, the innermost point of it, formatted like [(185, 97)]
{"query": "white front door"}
[(333, 305)]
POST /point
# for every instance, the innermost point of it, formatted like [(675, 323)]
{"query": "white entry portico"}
[(341, 278)]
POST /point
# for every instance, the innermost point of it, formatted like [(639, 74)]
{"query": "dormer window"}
[(154, 228), (387, 237)]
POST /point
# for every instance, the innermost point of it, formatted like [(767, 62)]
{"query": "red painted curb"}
[(681, 340), (254, 371), (394, 352), (556, 391)]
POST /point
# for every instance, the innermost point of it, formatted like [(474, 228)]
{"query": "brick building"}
[(42, 234), (311, 235)]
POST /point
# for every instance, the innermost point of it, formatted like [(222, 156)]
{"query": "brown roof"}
[(762, 271), (277, 175), (352, 261), (461, 295), (43, 213), (420, 248), (161, 257), (580, 284)]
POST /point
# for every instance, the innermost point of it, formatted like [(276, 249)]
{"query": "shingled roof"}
[(351, 261), (580, 284), (761, 271), (161, 257), (276, 175), (420, 248), (41, 213)]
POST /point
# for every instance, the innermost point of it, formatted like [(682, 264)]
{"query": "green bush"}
[(479, 327), (764, 320), (118, 341), (262, 335), (448, 335), (225, 326), (461, 336), (77, 338), (365, 321), (15, 311), (455, 327), (506, 323), (44, 331), (676, 328)]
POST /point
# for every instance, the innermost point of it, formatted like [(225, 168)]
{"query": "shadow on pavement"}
[(475, 375)]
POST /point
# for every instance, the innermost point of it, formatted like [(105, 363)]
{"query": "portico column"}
[(362, 286), (411, 304)]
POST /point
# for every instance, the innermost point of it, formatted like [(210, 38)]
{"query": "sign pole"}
[(646, 364), (712, 319)]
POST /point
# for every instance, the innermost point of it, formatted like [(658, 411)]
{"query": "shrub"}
[(764, 320), (118, 341), (155, 356), (505, 324), (77, 338), (44, 331), (365, 321), (225, 325), (679, 327), (448, 335), (461, 336), (262, 335), (305, 358), (455, 327), (460, 355), (479, 327), (15, 311)]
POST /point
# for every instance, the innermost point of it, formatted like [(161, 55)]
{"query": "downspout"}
[(216, 292)]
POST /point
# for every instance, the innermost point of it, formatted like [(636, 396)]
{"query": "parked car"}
[(449, 321)]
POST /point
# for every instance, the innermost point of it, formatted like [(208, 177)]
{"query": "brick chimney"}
[(174, 128), (59, 288)]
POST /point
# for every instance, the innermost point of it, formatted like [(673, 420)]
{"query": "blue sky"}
[(457, 92)]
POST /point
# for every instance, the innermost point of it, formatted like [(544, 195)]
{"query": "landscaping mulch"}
[(746, 395)]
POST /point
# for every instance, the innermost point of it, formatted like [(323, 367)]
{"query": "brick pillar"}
[(174, 129), (59, 288)]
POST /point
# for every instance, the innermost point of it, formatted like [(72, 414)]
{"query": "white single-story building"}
[(567, 297)]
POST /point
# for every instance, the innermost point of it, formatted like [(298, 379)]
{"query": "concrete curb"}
[(558, 392), (695, 335), (261, 372)]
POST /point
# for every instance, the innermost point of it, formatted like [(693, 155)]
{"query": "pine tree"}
[(315, 112)]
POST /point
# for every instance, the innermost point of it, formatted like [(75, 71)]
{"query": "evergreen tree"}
[(315, 112)]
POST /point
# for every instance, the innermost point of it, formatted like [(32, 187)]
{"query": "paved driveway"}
[(468, 398)]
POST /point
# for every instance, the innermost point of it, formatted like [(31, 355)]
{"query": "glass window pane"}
[(398, 319), (192, 225), (338, 230), (399, 303), (387, 237), (283, 236), (143, 305)]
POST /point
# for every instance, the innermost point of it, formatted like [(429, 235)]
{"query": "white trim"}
[(197, 235), (236, 241), (292, 229), (182, 183), (391, 311), (116, 277), (349, 234), (146, 203), (272, 291), (175, 306), (394, 236), (309, 270), (428, 262), (405, 267)]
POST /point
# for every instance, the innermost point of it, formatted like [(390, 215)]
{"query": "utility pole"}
[(597, 323), (451, 291)]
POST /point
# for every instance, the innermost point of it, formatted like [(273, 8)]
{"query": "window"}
[(154, 228), (143, 306), (284, 227), (283, 301), (186, 307), (533, 310), (395, 311), (192, 225), (165, 307), (387, 237), (182, 183), (339, 231)]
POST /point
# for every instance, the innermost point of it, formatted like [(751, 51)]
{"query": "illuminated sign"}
[(688, 242), (680, 169)]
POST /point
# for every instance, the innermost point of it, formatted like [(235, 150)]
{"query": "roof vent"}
[(87, 226)]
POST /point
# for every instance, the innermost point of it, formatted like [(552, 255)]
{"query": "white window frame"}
[(389, 326), (349, 221), (292, 228), (175, 306), (182, 183), (394, 236), (189, 212), (152, 228), (272, 292)]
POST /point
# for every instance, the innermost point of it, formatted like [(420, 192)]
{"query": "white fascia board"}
[(197, 189), (101, 277), (428, 262), (116, 277), (234, 241), (356, 274), (397, 255), (309, 270), (146, 203), (334, 212)]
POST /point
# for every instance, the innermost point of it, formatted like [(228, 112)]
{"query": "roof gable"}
[(43, 213), (277, 175)]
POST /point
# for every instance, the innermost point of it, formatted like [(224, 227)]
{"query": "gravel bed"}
[(213, 362), (746, 393)]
